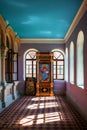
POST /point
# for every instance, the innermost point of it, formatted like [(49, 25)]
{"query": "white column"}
[(3, 81), (15, 70), (3, 56), (37, 84)]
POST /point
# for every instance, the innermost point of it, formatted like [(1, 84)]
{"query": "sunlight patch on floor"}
[(45, 117), (41, 118), (43, 98), (33, 106), (27, 121), (43, 105)]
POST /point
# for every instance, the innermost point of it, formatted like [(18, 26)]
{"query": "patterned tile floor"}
[(41, 113)]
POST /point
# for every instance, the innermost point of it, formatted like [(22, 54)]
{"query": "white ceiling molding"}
[(48, 41), (76, 20)]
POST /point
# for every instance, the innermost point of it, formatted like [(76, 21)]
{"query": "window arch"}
[(30, 63), (58, 64), (80, 63), (72, 62), (66, 64)]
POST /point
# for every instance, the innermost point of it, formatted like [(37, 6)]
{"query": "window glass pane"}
[(28, 56), (60, 76), (34, 70), (30, 70), (61, 71), (30, 67), (54, 63), (60, 63), (58, 72), (34, 67), (54, 76), (80, 61), (28, 75), (72, 62), (56, 54), (15, 76), (60, 57), (34, 62), (66, 65), (15, 67), (26, 70), (60, 68), (54, 70), (32, 54), (34, 75), (28, 62), (54, 57)]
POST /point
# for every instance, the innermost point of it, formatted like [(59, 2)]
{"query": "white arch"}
[(72, 62), (24, 60), (80, 62)]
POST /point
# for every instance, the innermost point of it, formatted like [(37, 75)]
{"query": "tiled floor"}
[(41, 113)]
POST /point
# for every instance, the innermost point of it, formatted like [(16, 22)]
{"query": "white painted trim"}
[(48, 41)]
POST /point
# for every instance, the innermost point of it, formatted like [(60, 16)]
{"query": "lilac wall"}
[(40, 48), (75, 93), (60, 87)]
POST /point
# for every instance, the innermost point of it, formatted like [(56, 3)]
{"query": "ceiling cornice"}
[(76, 20), (48, 41)]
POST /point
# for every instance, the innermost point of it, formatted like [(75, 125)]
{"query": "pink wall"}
[(74, 93)]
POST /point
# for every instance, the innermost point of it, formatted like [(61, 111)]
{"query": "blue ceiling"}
[(40, 18)]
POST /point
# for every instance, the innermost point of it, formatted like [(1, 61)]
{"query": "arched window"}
[(66, 64), (58, 64), (72, 62), (80, 63), (11, 61), (8, 62), (30, 63)]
